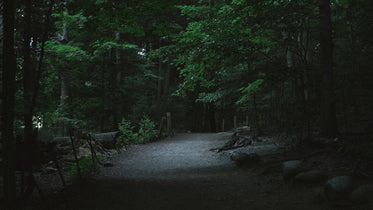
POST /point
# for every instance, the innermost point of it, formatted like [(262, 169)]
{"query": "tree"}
[(328, 115), (8, 97)]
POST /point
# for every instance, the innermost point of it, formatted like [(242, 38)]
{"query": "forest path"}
[(182, 173)]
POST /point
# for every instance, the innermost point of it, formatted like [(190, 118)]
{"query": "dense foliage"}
[(91, 63), (277, 65)]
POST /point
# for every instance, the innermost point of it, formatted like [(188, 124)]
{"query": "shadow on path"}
[(182, 173)]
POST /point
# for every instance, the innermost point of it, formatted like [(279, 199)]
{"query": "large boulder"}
[(291, 168), (338, 188), (245, 160), (362, 194)]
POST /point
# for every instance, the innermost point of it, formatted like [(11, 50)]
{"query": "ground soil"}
[(185, 172)]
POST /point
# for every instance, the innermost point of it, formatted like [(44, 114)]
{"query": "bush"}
[(147, 131), (127, 136)]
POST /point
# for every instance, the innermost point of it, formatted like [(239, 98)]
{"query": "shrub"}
[(147, 131), (127, 136)]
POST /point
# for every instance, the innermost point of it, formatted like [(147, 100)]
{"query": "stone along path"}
[(182, 173)]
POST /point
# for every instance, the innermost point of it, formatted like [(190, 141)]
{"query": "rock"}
[(322, 142), (108, 164), (83, 151), (44, 135), (49, 170), (242, 141), (338, 188), (362, 194), (107, 139), (243, 131), (313, 176), (244, 159), (291, 168)]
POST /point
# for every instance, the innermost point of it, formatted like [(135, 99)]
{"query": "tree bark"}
[(159, 88), (166, 92), (117, 76), (8, 98), (328, 122), (211, 113), (63, 76), (28, 81)]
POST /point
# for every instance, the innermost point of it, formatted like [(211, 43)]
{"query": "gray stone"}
[(324, 141), (244, 159), (108, 164), (362, 194), (291, 168), (338, 188), (313, 176), (49, 170), (244, 130), (44, 135), (243, 141)]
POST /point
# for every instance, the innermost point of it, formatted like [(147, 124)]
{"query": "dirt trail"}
[(182, 173)]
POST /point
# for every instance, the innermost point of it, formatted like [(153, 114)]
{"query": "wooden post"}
[(168, 114), (222, 125), (247, 120), (235, 121)]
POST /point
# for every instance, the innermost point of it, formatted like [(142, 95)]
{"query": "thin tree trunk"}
[(116, 76), (159, 86), (63, 76), (8, 97), (103, 93), (211, 113), (164, 99), (63, 99), (258, 129), (328, 120)]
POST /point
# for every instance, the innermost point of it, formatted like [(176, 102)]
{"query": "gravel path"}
[(184, 157), (182, 173)]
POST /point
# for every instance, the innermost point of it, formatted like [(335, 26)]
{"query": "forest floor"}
[(185, 172)]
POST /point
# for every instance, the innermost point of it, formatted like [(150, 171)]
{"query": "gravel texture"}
[(184, 172)]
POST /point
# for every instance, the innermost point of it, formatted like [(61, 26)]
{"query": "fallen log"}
[(107, 140)]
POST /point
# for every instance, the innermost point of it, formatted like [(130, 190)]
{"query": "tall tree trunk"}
[(116, 78), (256, 114), (103, 95), (166, 87), (328, 122), (63, 76), (28, 72), (64, 96), (8, 97), (28, 88), (159, 83), (159, 88), (211, 113)]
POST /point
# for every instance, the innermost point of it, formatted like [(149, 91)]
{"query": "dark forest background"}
[(281, 66)]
